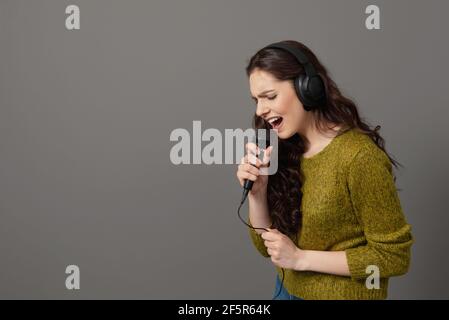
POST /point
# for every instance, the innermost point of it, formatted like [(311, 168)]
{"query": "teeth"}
[(273, 119)]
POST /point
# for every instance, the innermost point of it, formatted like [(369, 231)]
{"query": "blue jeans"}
[(283, 295)]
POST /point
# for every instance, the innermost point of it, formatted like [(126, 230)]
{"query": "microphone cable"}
[(245, 193)]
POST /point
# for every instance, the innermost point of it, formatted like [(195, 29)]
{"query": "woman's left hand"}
[(284, 253)]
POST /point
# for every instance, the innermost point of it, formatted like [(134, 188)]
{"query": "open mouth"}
[(275, 122)]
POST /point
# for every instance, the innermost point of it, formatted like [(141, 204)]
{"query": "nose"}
[(262, 109)]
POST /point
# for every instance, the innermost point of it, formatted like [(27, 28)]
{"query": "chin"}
[(284, 134)]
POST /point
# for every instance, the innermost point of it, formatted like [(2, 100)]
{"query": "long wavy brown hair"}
[(284, 187)]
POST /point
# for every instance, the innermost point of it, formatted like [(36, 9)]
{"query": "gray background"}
[(86, 115)]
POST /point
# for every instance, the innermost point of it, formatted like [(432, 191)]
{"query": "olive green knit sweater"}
[(350, 203)]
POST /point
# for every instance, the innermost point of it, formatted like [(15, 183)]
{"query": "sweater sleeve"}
[(378, 210), (258, 241)]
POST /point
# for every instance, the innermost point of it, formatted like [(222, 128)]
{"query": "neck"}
[(309, 131), (312, 136)]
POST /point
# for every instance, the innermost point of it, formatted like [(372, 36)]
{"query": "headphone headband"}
[(298, 54)]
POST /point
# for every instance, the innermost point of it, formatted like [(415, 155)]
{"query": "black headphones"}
[(309, 86)]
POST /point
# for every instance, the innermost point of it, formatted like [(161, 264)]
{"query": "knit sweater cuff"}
[(258, 241), (357, 265)]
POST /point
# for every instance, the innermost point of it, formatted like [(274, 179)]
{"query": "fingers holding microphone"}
[(250, 167)]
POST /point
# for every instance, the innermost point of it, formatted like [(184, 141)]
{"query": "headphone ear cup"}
[(316, 90), (301, 91), (311, 91)]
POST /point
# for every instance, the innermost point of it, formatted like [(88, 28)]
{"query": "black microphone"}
[(248, 184)]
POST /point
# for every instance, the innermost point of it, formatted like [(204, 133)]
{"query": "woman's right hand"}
[(249, 168)]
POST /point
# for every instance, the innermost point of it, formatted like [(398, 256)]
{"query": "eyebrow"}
[(262, 94)]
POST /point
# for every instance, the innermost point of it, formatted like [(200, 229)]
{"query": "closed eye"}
[(269, 98)]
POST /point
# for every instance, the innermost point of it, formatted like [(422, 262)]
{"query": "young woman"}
[(332, 213)]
